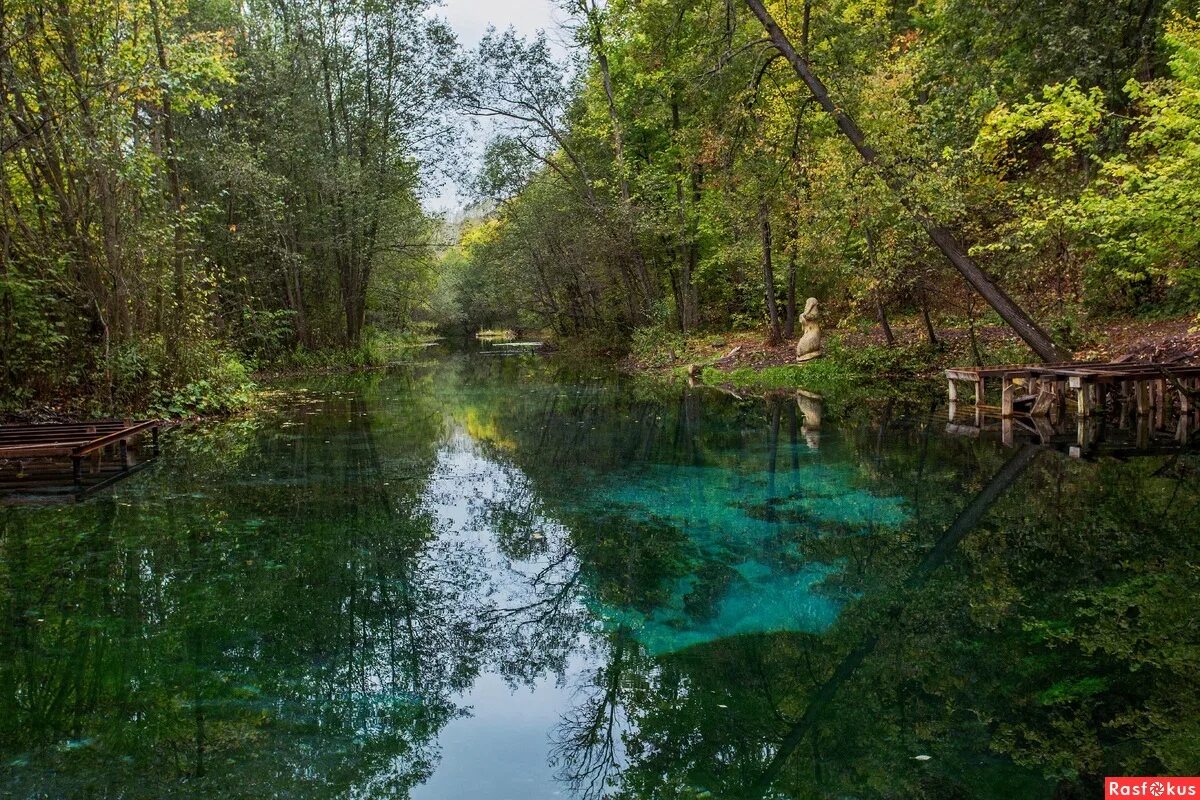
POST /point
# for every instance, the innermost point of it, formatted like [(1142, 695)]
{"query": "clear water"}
[(491, 576)]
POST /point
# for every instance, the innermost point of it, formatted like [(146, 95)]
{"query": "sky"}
[(470, 19)]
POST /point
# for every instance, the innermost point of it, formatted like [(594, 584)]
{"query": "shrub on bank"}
[(224, 388)]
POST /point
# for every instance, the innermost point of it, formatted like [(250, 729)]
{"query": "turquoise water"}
[(496, 576)]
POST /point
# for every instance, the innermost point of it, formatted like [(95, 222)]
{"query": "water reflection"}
[(486, 575)]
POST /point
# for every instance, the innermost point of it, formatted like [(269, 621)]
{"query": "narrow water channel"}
[(495, 576)]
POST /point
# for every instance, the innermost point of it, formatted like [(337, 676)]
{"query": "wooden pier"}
[(1148, 397), (30, 455)]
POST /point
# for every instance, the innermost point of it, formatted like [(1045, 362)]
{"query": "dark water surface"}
[(491, 577)]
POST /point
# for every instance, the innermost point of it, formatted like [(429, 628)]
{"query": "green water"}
[(492, 576)]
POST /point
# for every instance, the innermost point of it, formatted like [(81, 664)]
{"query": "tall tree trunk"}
[(1024, 326), (764, 220), (929, 330), (678, 298), (693, 298), (595, 21), (880, 311), (173, 181), (618, 141), (789, 315), (687, 241)]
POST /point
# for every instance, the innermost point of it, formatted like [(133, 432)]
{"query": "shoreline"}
[(856, 361), (860, 358)]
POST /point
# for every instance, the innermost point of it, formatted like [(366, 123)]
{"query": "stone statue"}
[(809, 346)]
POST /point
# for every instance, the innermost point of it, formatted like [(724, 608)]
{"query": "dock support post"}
[(77, 469), (154, 438), (1086, 430), (953, 390), (1083, 406), (1141, 390), (1160, 404), (1007, 394)]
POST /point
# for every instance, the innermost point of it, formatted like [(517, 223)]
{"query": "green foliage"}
[(1072, 690), (641, 195), (178, 182), (655, 347), (248, 178), (267, 334), (225, 388), (31, 341), (1138, 213), (1064, 123), (377, 349)]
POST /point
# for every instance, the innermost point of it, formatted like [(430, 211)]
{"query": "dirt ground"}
[(1176, 340)]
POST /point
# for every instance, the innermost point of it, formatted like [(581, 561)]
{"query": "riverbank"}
[(228, 388), (861, 359)]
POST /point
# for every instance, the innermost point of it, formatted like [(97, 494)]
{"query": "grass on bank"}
[(377, 349), (840, 370), (231, 386), (855, 361), (203, 379), (499, 334)]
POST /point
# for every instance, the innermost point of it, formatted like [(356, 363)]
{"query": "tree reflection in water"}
[(299, 604), (997, 629)]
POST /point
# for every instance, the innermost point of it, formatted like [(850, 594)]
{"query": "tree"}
[(1008, 310)]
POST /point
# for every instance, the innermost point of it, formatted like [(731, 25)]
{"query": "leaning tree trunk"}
[(884, 325), (1037, 339), (929, 331)]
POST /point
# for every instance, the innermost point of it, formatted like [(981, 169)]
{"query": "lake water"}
[(494, 576)]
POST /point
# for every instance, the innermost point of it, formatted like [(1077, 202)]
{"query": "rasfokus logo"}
[(1151, 787)]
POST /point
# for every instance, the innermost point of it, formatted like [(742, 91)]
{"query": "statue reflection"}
[(810, 406)]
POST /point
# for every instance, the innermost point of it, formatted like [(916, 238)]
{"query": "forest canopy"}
[(193, 189), (190, 187), (689, 181)]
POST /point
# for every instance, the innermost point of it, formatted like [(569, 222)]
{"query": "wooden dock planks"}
[(80, 439), (1166, 395), (1088, 380), (31, 447)]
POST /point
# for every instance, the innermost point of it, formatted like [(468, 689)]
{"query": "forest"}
[(194, 189)]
